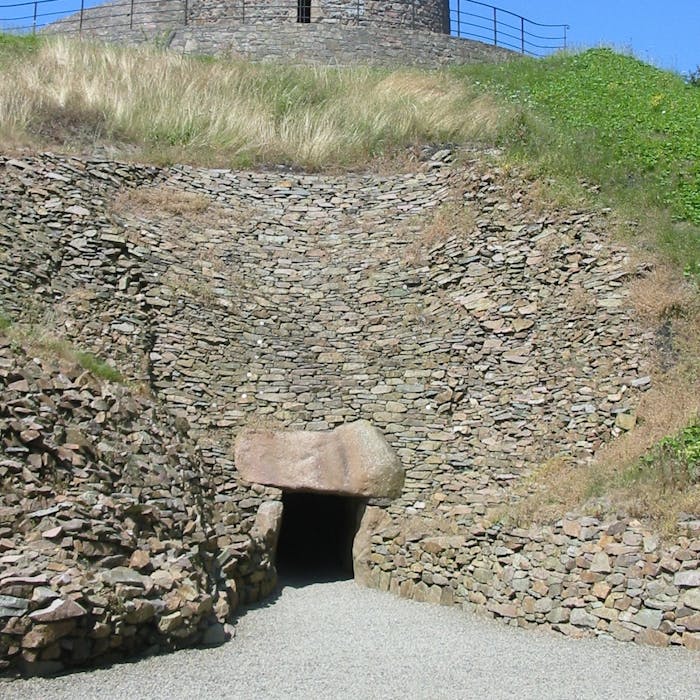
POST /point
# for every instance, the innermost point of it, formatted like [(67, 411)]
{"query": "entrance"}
[(316, 536)]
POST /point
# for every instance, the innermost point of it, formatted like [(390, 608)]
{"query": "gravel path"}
[(336, 640)]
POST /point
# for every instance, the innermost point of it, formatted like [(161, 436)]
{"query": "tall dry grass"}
[(70, 93)]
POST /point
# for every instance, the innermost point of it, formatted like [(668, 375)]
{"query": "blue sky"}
[(666, 34)]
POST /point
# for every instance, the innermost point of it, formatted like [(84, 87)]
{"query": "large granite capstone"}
[(351, 460)]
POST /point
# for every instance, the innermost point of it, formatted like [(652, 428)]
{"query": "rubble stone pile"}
[(106, 540)]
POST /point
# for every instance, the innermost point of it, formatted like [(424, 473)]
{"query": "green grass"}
[(14, 45), (673, 462), (98, 367), (616, 122), (62, 348), (39, 340)]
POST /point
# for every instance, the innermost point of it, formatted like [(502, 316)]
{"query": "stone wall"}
[(150, 20), (328, 44), (582, 576), (111, 541), (481, 332), (421, 15), (275, 39)]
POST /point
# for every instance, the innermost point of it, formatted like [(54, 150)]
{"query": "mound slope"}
[(481, 333)]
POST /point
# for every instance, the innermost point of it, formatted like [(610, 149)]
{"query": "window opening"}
[(304, 11)]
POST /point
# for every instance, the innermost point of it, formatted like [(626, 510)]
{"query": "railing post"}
[(413, 14), (243, 12), (187, 11), (34, 21), (495, 27), (82, 11), (131, 15), (566, 26), (522, 35), (357, 14)]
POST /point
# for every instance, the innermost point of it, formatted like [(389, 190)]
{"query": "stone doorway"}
[(317, 535)]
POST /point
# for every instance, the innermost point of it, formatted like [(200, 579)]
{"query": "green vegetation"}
[(37, 339), (166, 106), (672, 462), (98, 367), (615, 122), (13, 46), (62, 348)]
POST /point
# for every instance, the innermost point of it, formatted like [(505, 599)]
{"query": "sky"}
[(665, 33)]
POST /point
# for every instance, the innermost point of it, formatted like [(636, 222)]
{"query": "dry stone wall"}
[(328, 44), (482, 335), (109, 540), (220, 29), (582, 576)]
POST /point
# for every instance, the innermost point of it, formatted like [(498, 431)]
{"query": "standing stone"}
[(268, 521), (374, 520)]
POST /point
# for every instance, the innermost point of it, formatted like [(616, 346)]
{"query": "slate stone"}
[(10, 606)]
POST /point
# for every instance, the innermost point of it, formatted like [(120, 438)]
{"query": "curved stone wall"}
[(327, 44), (423, 15), (384, 37), (481, 337)]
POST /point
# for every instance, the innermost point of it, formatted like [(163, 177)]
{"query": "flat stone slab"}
[(352, 460)]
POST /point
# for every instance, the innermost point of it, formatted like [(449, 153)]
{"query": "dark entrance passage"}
[(315, 542)]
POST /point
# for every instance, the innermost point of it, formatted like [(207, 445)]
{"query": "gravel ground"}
[(337, 640)]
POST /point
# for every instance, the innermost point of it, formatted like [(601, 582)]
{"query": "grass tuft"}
[(673, 463), (99, 368)]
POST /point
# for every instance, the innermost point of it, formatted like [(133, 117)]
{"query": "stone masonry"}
[(387, 33), (423, 15), (480, 332)]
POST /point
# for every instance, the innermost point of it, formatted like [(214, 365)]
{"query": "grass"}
[(162, 200), (16, 46), (97, 367), (229, 112), (37, 340), (616, 122), (673, 460)]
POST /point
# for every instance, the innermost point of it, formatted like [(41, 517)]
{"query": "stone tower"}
[(424, 15), (321, 32)]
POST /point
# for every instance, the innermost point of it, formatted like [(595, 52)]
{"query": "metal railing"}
[(494, 25), (467, 19)]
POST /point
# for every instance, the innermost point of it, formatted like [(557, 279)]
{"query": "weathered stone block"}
[(352, 460)]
